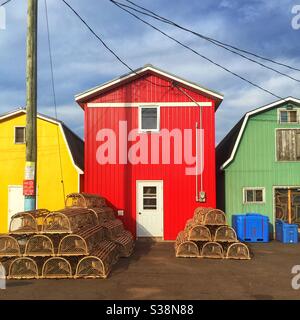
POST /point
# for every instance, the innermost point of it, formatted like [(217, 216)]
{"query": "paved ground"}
[(154, 273)]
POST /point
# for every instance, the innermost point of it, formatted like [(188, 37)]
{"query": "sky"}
[(81, 62)]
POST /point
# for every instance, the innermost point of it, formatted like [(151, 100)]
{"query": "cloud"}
[(81, 62)]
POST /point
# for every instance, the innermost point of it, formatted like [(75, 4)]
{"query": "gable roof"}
[(74, 144), (84, 96), (227, 148)]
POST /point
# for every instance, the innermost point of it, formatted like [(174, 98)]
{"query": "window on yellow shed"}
[(19, 135)]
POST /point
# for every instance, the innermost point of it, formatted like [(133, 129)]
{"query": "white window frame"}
[(149, 197), (15, 129), (287, 110), (263, 189), (140, 118)]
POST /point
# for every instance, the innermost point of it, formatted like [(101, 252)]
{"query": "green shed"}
[(258, 163)]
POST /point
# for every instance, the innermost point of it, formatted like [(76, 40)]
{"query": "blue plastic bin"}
[(251, 227), (286, 233)]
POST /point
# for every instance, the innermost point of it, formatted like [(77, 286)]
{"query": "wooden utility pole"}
[(29, 188)]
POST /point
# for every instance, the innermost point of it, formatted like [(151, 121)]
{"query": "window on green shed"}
[(254, 195), (288, 144), (288, 116)]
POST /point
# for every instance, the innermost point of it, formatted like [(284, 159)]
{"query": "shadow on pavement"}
[(142, 248), (13, 283)]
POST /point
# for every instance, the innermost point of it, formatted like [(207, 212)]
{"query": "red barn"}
[(150, 149)]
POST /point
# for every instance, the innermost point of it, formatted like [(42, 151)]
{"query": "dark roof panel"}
[(76, 146), (225, 147)]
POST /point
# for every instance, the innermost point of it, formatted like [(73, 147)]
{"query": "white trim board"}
[(146, 68), (248, 114), (139, 104)]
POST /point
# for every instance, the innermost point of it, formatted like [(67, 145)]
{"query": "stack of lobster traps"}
[(83, 240), (207, 235)]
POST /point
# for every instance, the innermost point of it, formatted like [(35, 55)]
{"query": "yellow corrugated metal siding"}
[(12, 159)]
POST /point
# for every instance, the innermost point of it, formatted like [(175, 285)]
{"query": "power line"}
[(164, 20), (107, 47), (54, 96), (197, 53), (215, 41), (111, 51), (5, 2)]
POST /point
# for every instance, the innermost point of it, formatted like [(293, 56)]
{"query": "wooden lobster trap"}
[(238, 251), (81, 243), (225, 234), (23, 268), (125, 244), (39, 246), (113, 229), (28, 222), (68, 220), (9, 246), (84, 200), (212, 250), (99, 263), (197, 232), (57, 268), (209, 216), (104, 214), (185, 248)]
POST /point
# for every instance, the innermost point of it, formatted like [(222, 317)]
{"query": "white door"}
[(15, 201), (150, 218)]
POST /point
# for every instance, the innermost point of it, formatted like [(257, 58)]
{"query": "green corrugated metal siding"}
[(255, 165)]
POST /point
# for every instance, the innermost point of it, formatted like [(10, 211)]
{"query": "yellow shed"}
[(59, 165)]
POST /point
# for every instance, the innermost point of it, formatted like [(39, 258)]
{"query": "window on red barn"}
[(149, 118)]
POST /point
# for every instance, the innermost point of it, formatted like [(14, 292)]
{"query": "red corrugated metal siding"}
[(144, 91), (118, 182)]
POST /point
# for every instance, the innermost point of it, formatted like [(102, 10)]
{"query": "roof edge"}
[(88, 93), (245, 121)]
